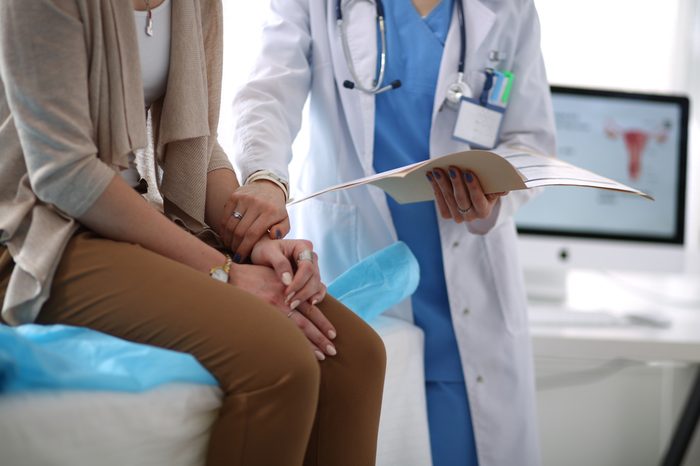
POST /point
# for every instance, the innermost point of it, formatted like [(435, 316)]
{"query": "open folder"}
[(497, 173)]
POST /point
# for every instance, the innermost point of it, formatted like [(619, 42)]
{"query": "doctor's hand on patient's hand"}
[(252, 212), (459, 195)]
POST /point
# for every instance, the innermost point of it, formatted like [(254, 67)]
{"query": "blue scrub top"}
[(402, 136)]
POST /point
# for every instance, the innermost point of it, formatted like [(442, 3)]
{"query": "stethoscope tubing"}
[(377, 87)]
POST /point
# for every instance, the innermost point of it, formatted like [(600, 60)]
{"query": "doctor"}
[(386, 81)]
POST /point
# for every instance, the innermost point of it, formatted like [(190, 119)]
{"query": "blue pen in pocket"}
[(488, 84)]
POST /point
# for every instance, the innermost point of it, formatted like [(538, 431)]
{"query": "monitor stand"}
[(561, 296), (548, 302), (546, 284)]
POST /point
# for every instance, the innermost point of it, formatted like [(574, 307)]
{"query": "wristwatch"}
[(272, 177), (221, 272)]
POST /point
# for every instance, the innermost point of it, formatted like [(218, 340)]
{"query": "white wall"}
[(243, 23)]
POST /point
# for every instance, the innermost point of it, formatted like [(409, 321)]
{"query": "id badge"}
[(478, 125)]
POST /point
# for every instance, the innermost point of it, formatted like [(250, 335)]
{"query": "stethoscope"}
[(455, 91)]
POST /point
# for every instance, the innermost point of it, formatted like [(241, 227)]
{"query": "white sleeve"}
[(268, 109)]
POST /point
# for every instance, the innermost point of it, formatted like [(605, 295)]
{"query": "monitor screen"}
[(637, 139)]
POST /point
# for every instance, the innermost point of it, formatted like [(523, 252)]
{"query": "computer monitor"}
[(638, 139)]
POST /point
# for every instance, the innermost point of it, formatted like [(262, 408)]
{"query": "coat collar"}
[(478, 21), (358, 106)]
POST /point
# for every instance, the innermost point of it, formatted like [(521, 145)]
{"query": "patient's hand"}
[(293, 286), (251, 213), (262, 281), (296, 265)]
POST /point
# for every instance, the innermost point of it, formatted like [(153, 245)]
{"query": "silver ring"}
[(236, 214), (464, 211), (306, 255)]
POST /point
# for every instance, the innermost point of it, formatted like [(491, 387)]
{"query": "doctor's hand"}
[(262, 282), (459, 195), (253, 212)]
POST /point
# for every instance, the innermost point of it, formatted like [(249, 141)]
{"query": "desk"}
[(677, 298)]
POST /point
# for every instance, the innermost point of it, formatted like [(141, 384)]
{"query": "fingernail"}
[(320, 356), (287, 278), (429, 176), (437, 174), (331, 334), (289, 297), (468, 176), (237, 258), (453, 173), (278, 234), (314, 302), (330, 349), (294, 304)]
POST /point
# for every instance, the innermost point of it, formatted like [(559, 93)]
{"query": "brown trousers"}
[(280, 406)]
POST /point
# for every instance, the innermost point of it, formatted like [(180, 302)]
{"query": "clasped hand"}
[(285, 274)]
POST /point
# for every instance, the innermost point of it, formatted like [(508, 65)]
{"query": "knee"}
[(367, 353), (375, 353), (280, 362), (294, 366)]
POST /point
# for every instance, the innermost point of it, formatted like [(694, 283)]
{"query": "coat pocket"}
[(501, 244), (332, 228)]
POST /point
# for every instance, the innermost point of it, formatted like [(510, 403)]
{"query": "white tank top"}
[(154, 54)]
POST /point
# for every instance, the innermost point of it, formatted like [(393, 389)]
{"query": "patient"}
[(301, 375)]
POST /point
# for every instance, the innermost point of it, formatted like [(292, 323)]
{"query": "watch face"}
[(220, 275)]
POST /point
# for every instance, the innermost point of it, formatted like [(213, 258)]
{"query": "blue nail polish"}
[(237, 258), (278, 234), (468, 176), (437, 174), (453, 173)]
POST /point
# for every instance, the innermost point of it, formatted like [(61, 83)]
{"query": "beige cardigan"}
[(71, 111)]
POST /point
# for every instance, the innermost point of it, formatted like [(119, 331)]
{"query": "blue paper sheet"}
[(59, 357), (378, 282), (38, 357)]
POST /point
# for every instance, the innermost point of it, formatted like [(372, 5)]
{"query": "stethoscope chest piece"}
[(455, 92)]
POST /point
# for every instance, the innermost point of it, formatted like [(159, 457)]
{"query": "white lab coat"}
[(302, 52)]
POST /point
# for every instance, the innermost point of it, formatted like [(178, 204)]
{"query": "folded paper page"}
[(497, 173)]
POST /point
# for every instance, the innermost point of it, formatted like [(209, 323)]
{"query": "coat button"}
[(465, 311), (455, 245), (480, 379)]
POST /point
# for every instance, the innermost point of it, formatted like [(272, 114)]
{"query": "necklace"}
[(149, 19)]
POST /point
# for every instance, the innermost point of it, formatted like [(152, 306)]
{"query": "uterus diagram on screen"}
[(636, 136)]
